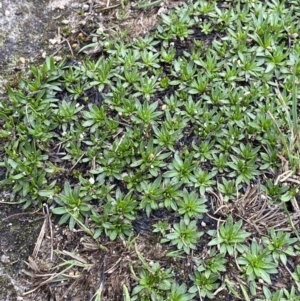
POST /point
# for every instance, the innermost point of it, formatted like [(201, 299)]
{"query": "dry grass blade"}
[(40, 237), (47, 225), (100, 289), (33, 265), (74, 256), (260, 215), (54, 277)]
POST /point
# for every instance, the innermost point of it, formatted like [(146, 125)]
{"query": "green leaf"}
[(59, 210), (12, 163), (64, 218), (46, 193), (170, 174), (265, 276), (215, 241), (88, 123), (72, 223), (17, 177)]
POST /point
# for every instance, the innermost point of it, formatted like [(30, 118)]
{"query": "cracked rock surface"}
[(25, 30)]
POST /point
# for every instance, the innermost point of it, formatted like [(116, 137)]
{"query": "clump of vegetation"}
[(183, 121)]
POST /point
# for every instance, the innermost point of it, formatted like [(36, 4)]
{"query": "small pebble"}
[(58, 58), (4, 259), (7, 13), (22, 60), (75, 5), (53, 41), (161, 10), (294, 35), (85, 7)]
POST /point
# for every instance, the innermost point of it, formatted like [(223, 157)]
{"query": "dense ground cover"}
[(178, 153)]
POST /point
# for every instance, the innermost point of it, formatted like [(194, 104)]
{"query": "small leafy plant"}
[(184, 236), (71, 206), (230, 237), (191, 206), (213, 263), (258, 263), (204, 285), (280, 245)]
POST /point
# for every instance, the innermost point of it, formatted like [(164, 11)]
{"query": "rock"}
[(85, 7), (22, 60), (5, 259)]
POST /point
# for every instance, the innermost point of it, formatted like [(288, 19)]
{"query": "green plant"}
[(214, 263), (171, 193), (126, 295), (166, 137), (94, 118), (150, 59), (116, 216), (291, 144), (275, 191), (161, 226), (146, 114), (179, 24), (205, 151), (282, 294), (167, 55), (258, 263), (230, 237), (204, 180), (244, 170), (179, 293), (296, 274), (184, 236), (229, 189), (277, 296), (291, 295), (153, 281), (146, 87), (144, 4), (71, 206), (151, 194), (280, 245), (100, 73), (110, 166), (220, 162), (191, 206), (180, 169), (147, 42), (152, 158), (204, 285)]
